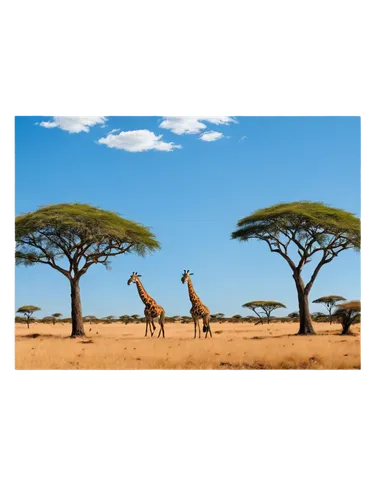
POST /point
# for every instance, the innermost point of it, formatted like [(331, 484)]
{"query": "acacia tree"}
[(311, 229), (108, 319), (28, 311), (329, 301), (125, 318), (267, 306), (55, 317), (71, 237), (89, 318), (348, 313), (236, 318)]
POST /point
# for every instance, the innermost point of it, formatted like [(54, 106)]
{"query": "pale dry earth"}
[(233, 346)]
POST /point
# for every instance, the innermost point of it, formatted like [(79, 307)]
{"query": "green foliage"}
[(55, 317), (264, 304), (236, 318), (108, 319), (315, 222), (28, 310), (20, 319), (48, 319), (267, 307), (329, 301), (90, 319), (320, 317), (81, 233), (125, 318)]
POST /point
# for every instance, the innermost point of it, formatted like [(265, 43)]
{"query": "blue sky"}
[(190, 180)]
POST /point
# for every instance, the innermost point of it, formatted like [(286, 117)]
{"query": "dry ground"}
[(233, 346)]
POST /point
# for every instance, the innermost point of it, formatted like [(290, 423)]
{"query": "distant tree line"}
[(215, 318)]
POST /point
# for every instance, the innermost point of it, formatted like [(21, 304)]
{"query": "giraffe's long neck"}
[(193, 296), (145, 298)]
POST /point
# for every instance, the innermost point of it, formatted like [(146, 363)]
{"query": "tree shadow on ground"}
[(39, 335)]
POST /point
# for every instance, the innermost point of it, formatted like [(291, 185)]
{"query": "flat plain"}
[(118, 346)]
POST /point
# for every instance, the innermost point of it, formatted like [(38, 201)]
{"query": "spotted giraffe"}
[(152, 309), (198, 309)]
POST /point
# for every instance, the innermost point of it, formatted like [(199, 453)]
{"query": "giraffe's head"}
[(134, 278), (186, 276)]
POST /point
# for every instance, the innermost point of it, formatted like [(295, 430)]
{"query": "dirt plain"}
[(117, 346)]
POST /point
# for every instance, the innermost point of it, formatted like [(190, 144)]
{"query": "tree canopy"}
[(267, 306), (28, 310), (329, 299), (82, 233), (319, 225)]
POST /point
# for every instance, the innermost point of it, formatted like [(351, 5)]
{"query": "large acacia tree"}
[(313, 229), (71, 237)]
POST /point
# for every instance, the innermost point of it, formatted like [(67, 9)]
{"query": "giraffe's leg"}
[(199, 328), (209, 329), (160, 326), (146, 326), (195, 326)]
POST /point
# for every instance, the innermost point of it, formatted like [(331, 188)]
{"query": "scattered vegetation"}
[(330, 302), (267, 307), (55, 317), (348, 314), (28, 311)]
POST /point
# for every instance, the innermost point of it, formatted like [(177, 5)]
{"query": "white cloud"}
[(185, 124), (113, 131), (211, 136), (219, 120), (192, 125), (74, 124), (243, 138), (136, 141)]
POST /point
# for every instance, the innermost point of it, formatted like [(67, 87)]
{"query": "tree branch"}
[(323, 261), (93, 258), (284, 255)]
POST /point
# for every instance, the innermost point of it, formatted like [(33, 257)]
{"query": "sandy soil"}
[(233, 346)]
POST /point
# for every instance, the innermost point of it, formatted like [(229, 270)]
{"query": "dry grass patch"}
[(237, 347)]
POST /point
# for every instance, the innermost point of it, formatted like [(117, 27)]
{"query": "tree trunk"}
[(305, 321), (346, 329), (346, 322), (77, 320)]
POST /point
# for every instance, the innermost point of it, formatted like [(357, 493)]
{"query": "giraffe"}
[(152, 309), (198, 309)]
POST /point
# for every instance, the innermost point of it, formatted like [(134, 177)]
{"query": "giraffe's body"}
[(152, 309), (198, 310)]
